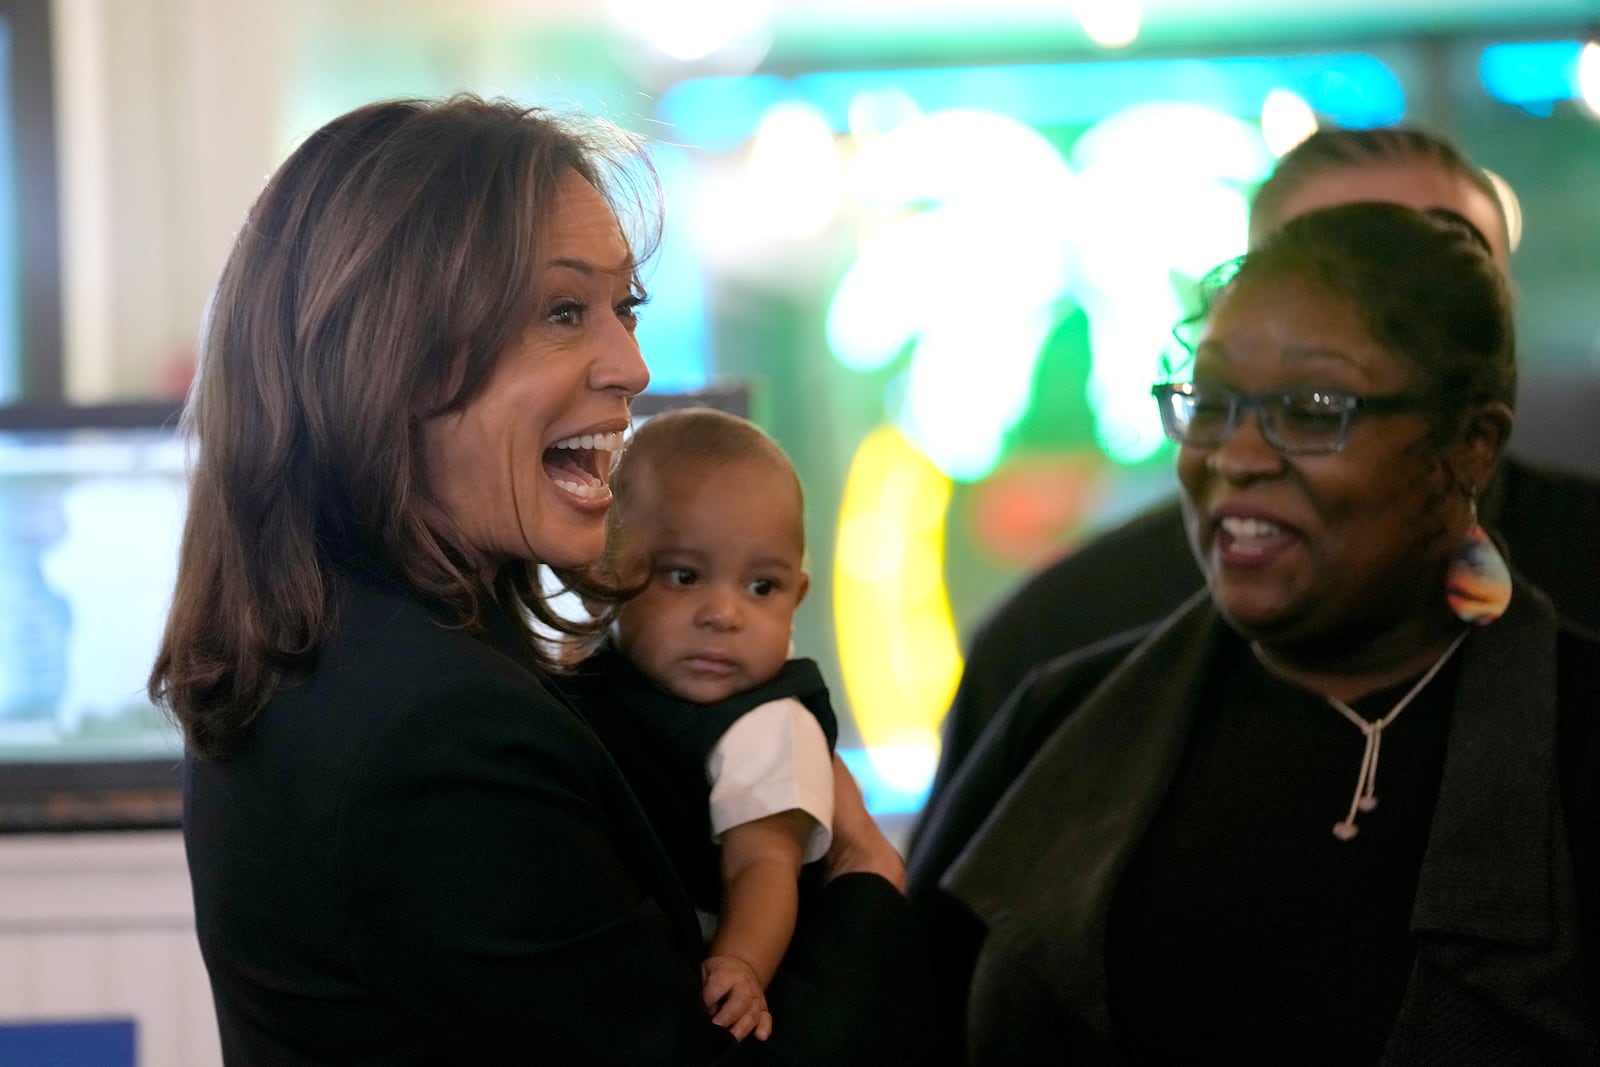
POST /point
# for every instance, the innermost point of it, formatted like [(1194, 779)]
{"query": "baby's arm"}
[(760, 897)]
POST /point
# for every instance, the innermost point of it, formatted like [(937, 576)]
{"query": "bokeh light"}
[(1286, 120), (1589, 76), (1112, 23), (688, 30), (966, 269), (1510, 206), (795, 170), (898, 650)]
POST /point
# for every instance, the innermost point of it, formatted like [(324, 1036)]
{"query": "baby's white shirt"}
[(774, 758)]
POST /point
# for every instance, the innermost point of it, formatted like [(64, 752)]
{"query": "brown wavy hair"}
[(375, 281)]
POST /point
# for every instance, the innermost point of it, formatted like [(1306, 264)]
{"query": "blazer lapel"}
[(1041, 870), (1495, 919)]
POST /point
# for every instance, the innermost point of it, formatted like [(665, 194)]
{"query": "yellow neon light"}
[(898, 650)]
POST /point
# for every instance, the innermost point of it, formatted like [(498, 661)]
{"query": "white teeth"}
[(592, 491), (1247, 529), (581, 484), (605, 442)]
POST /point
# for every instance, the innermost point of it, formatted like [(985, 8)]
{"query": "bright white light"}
[(907, 767), (1286, 120), (959, 156), (880, 302), (1187, 142), (1162, 188), (1163, 191), (1589, 76), (1510, 206), (966, 265), (795, 168), (728, 219), (881, 111), (1128, 335), (689, 30), (971, 376), (1149, 224), (1112, 23)]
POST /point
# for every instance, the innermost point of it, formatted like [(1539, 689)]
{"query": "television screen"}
[(89, 528), (91, 510), (89, 524)]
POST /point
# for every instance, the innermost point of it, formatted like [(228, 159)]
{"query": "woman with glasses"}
[(1136, 573), (1341, 807)]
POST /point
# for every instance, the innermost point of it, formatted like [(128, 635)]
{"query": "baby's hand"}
[(733, 995)]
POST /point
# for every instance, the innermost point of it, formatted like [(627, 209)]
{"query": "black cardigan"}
[(1015, 868), (421, 854)]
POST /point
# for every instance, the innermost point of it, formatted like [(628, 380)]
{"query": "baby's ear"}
[(805, 587)]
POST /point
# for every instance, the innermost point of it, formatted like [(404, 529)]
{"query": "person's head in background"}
[(1396, 165), (709, 518)]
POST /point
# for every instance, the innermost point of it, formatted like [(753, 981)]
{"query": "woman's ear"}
[(1476, 452)]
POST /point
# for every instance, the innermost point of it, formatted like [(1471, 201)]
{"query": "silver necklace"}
[(1366, 798)]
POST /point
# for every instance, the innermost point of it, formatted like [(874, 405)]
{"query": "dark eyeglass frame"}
[(1272, 407)]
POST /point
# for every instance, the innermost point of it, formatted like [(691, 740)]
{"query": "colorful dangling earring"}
[(1479, 584)]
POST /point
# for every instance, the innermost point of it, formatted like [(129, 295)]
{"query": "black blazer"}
[(1017, 863), (421, 854)]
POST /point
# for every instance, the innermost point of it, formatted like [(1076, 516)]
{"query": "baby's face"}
[(724, 545)]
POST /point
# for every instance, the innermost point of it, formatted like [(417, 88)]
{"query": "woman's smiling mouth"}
[(581, 465), (1249, 540)]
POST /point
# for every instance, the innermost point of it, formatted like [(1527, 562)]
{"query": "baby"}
[(707, 524)]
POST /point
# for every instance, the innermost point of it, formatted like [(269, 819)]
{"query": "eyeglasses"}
[(1294, 421)]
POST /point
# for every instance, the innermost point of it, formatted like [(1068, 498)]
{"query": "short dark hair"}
[(377, 278), (683, 438), (1335, 148), (1425, 283)]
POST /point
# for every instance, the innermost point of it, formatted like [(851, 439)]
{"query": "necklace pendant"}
[(1373, 730)]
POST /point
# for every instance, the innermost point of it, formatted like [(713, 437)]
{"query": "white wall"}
[(170, 116), (167, 117), (101, 925)]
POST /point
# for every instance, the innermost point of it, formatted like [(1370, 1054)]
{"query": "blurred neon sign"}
[(977, 231)]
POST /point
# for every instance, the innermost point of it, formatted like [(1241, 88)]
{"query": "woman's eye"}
[(628, 310), (1313, 412), (567, 313), (1208, 411)]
